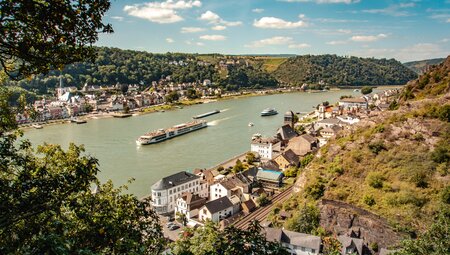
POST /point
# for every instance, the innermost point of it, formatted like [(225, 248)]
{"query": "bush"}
[(441, 153), (366, 90), (316, 189), (369, 200), (305, 221), (263, 200), (444, 113), (376, 147), (446, 195), (291, 172), (419, 179), (375, 180)]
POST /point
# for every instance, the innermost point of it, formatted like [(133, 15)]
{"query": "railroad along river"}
[(112, 140)]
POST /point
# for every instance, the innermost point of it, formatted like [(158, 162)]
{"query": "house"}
[(216, 210), (295, 242), (270, 178), (329, 132), (328, 123), (248, 206), (287, 159), (353, 103), (286, 133), (302, 145), (189, 204), (166, 191), (351, 245), (234, 185), (270, 165), (266, 147)]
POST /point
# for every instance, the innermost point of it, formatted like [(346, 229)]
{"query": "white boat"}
[(164, 134), (37, 126), (269, 112), (256, 136), (251, 124)]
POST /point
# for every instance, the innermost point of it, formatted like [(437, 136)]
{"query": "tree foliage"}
[(40, 35), (230, 241), (366, 90), (305, 220), (335, 70)]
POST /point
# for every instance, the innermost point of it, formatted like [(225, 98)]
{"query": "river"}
[(112, 140)]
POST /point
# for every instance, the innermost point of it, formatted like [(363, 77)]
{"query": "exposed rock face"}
[(342, 218)]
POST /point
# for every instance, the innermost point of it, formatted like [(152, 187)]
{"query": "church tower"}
[(289, 118)]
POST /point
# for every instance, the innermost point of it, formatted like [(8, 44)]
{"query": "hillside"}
[(387, 176), (335, 70), (421, 66)]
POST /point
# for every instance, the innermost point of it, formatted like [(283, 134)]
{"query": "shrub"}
[(379, 128), (444, 113), (441, 153), (366, 90), (419, 179), (305, 221), (291, 172), (375, 180), (446, 195), (376, 147), (369, 200), (316, 189), (263, 200)]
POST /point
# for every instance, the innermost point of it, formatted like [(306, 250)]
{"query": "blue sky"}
[(406, 30)]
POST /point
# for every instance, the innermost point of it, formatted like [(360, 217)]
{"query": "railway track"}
[(261, 213)]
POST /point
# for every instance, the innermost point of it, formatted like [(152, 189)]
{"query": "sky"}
[(405, 30)]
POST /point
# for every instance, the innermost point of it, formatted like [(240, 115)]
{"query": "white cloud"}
[(325, 1), (367, 38), (410, 53), (170, 40), (396, 10), (448, 20), (214, 18), (276, 23), (299, 46), (344, 31), (276, 40), (118, 18), (200, 44), (186, 30), (213, 37), (219, 28), (336, 42), (325, 20), (258, 10), (161, 12)]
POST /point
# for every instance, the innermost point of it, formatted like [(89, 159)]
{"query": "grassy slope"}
[(420, 66), (390, 159), (272, 64)]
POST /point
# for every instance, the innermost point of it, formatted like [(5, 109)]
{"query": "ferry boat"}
[(37, 126), (164, 134), (269, 112), (206, 114)]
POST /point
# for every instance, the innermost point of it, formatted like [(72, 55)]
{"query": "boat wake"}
[(224, 110), (216, 122)]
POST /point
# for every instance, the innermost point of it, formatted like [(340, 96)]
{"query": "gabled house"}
[(235, 185), (216, 210), (351, 245), (189, 204), (294, 242), (329, 132), (267, 148), (287, 159), (286, 133), (303, 144)]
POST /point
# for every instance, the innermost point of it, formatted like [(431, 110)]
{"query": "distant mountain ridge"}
[(343, 71), (422, 65)]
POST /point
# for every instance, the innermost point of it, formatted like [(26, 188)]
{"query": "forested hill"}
[(335, 70), (422, 65), (114, 65)]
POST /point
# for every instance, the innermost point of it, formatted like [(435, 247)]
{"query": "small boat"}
[(256, 136), (356, 90), (269, 112), (80, 121), (122, 115), (37, 126), (251, 124)]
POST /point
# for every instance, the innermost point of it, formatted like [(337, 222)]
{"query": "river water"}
[(112, 140)]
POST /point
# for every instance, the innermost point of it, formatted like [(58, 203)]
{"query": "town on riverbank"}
[(248, 186)]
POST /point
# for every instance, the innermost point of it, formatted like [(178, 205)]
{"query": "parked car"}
[(173, 227)]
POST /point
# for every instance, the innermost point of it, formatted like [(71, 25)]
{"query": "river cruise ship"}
[(164, 134)]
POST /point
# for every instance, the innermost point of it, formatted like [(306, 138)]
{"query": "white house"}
[(166, 191), (229, 187), (353, 103), (216, 210), (267, 148), (189, 204), (295, 242)]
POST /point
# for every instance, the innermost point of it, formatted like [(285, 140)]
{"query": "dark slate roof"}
[(218, 205), (270, 165), (290, 156), (174, 180), (349, 242), (286, 132), (294, 238)]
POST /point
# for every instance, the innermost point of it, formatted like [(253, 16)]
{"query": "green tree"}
[(366, 90), (305, 220), (230, 241), (250, 157), (263, 200), (172, 97), (191, 94), (40, 35), (238, 167), (435, 241)]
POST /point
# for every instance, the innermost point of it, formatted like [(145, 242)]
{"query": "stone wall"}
[(341, 218)]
